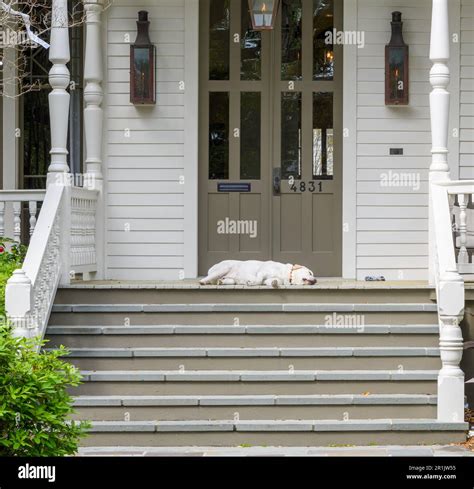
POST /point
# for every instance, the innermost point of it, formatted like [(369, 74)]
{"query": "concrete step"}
[(169, 294), (254, 358), (236, 336), (274, 432), (284, 313), (232, 307), (142, 408), (251, 382)]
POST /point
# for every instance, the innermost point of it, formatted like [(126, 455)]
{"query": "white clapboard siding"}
[(466, 136), (145, 148), (392, 217)]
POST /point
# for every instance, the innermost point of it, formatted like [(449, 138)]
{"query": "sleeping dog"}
[(253, 273)]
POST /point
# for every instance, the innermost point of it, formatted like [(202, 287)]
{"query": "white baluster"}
[(463, 256), (2, 219), (17, 221), (33, 208)]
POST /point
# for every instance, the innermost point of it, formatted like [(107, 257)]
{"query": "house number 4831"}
[(302, 187)]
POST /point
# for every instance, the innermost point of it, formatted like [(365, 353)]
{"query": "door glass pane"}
[(323, 52), (219, 40), (291, 136), (218, 135), (250, 136), (291, 40), (251, 64), (323, 136)]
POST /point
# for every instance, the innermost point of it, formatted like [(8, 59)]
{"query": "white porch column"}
[(93, 92), (93, 119), (59, 78), (450, 285), (439, 108)]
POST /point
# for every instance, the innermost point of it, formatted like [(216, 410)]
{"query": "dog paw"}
[(275, 284)]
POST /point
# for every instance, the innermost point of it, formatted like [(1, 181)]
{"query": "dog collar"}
[(293, 268)]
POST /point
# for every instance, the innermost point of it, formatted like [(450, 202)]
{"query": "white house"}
[(275, 144)]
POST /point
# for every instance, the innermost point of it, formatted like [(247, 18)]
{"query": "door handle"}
[(277, 181)]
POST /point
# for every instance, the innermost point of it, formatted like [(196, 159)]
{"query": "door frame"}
[(339, 116)]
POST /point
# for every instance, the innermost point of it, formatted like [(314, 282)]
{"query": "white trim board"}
[(191, 136)]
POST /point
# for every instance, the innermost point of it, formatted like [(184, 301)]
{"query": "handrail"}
[(64, 235), (30, 292), (22, 195)]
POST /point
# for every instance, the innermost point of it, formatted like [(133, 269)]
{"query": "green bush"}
[(34, 402)]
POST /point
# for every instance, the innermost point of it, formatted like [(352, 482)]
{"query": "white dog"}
[(270, 273)]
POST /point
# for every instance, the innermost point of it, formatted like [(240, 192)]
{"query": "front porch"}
[(221, 347)]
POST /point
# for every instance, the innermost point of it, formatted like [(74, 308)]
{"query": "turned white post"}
[(451, 377), (463, 201), (33, 208), (93, 118), (59, 102), (17, 221), (439, 108), (450, 285), (93, 92), (59, 98)]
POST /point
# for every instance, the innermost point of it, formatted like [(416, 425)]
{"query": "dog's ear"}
[(297, 267)]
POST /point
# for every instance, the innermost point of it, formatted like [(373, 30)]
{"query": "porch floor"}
[(323, 284)]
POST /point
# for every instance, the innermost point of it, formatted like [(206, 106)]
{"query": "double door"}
[(270, 136)]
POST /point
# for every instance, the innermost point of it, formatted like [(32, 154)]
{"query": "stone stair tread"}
[(235, 330), (252, 375), (226, 352), (363, 425), (257, 400), (239, 307)]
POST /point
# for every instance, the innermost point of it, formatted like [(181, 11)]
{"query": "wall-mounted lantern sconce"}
[(263, 14), (142, 64), (397, 65)]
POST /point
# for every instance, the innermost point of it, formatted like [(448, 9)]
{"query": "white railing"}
[(62, 245), (83, 258), (11, 206), (450, 290)]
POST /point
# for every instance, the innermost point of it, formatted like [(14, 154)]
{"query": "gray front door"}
[(270, 152)]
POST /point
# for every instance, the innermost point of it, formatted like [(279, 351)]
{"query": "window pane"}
[(396, 63), (291, 37), (251, 64), (323, 136), (323, 52), (141, 73), (291, 137), (218, 135), (250, 136), (219, 41)]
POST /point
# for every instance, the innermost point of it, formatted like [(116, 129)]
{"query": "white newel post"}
[(93, 117), (439, 108), (59, 102), (450, 285), (19, 290)]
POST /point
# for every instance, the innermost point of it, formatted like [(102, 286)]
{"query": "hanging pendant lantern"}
[(263, 14), (142, 64), (397, 65)]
